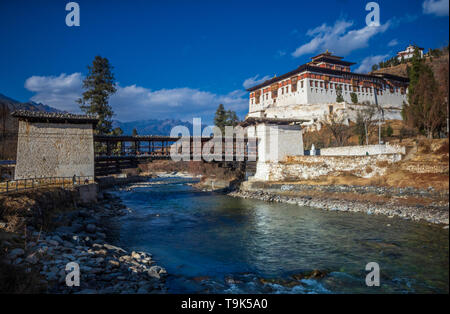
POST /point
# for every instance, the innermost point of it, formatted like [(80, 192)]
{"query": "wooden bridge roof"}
[(42, 116)]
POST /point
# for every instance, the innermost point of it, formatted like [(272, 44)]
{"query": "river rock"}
[(114, 263), (136, 255), (57, 239), (32, 258), (87, 291), (52, 242), (90, 228), (315, 274), (142, 290), (114, 248), (16, 253), (156, 272)]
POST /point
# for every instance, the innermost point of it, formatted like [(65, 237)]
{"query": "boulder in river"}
[(315, 274)]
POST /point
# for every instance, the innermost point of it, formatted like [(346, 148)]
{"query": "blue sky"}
[(180, 59)]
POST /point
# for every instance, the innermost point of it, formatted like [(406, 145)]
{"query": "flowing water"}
[(215, 243)]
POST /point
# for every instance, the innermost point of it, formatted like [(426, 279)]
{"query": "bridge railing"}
[(34, 183)]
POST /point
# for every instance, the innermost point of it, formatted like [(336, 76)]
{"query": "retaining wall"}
[(311, 167), (363, 150)]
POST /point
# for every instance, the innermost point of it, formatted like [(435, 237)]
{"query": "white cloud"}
[(393, 43), (255, 80), (339, 38), (59, 91), (135, 102), (436, 7), (366, 64)]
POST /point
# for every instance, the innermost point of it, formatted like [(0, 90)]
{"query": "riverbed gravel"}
[(433, 213), (81, 238)]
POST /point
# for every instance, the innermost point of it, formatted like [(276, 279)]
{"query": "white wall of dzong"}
[(310, 102)]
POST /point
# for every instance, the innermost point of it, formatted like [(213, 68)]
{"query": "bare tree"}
[(365, 119), (337, 125)]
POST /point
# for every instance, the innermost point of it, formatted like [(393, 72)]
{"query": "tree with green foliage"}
[(354, 97), (374, 67), (225, 118), (339, 97), (426, 108), (99, 85), (117, 148), (387, 132), (416, 67), (220, 118), (232, 118)]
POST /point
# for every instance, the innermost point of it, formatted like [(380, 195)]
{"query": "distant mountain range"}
[(151, 127), (13, 104), (143, 127)]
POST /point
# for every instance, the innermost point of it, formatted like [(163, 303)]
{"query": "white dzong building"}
[(309, 92)]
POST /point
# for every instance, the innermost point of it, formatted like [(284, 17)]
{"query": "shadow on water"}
[(215, 243)]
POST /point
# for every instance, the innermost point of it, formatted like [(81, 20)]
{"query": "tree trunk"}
[(367, 135)]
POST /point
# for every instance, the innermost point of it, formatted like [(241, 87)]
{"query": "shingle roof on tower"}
[(42, 116)]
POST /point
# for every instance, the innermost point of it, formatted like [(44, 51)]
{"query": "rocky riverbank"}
[(418, 205), (81, 238)]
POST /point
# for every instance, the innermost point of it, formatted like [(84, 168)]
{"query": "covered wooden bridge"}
[(114, 153)]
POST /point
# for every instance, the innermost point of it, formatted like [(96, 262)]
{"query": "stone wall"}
[(311, 167), (54, 150), (363, 150), (8, 134)]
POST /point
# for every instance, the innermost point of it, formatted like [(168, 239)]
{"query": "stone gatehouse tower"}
[(54, 145)]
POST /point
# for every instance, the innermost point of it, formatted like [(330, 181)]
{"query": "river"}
[(214, 243)]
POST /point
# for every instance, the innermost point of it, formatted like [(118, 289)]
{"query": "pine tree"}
[(426, 111), (232, 118), (220, 118), (99, 85), (414, 71), (117, 147)]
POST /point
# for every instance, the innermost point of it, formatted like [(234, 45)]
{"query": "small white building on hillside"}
[(408, 53)]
